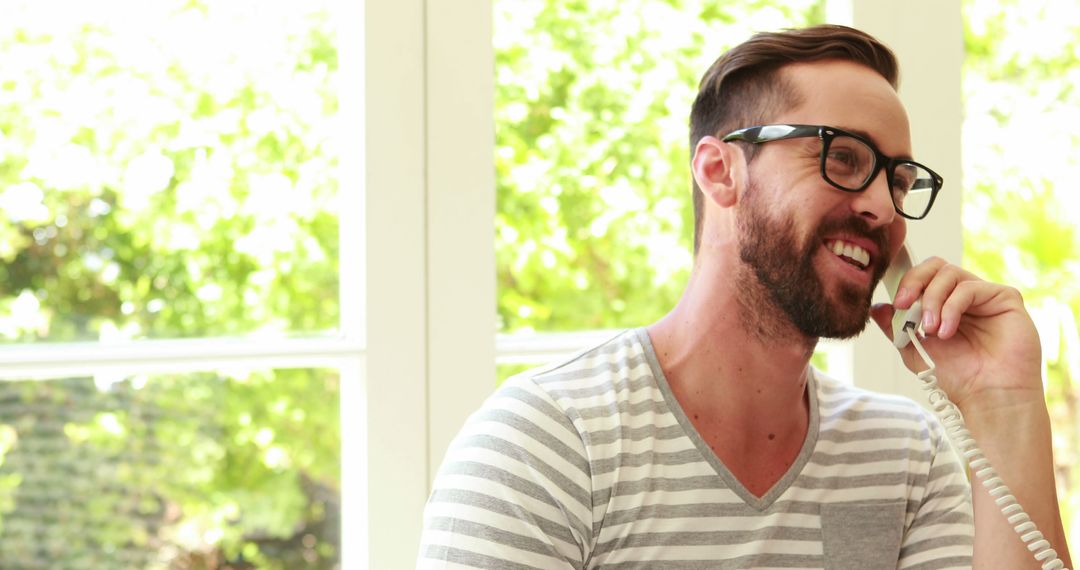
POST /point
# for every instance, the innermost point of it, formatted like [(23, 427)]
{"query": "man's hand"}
[(988, 360), (979, 334)]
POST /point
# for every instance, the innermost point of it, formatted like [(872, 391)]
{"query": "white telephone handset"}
[(905, 329), (910, 317)]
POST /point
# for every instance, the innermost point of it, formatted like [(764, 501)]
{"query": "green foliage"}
[(1020, 208), (198, 465), (594, 223), (158, 188), (166, 171)]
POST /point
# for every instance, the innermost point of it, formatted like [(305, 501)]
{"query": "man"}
[(706, 440)]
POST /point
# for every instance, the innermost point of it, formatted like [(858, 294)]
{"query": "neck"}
[(727, 354)]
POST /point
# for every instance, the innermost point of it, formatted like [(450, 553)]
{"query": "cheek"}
[(897, 233)]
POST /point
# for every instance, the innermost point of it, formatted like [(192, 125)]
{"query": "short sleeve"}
[(941, 535), (514, 489)]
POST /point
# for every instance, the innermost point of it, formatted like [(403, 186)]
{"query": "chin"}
[(850, 313)]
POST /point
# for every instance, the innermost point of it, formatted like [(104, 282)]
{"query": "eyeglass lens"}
[(849, 163)]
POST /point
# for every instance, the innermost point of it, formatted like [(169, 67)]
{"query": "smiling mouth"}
[(849, 253)]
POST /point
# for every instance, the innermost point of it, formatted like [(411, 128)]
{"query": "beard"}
[(783, 269)]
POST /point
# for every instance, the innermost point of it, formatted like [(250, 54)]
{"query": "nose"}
[(875, 204)]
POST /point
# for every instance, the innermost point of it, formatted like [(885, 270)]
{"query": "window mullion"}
[(64, 360)]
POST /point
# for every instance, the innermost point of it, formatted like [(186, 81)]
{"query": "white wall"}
[(430, 204), (927, 37)]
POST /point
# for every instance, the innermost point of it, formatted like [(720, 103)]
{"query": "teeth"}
[(850, 251)]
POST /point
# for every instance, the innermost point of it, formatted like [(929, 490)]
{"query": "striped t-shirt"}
[(593, 464)]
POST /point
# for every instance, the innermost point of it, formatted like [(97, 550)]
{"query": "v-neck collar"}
[(759, 503)]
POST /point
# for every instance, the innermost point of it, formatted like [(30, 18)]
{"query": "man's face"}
[(815, 250)]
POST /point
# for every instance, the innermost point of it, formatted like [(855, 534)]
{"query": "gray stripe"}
[(950, 563), (609, 464), (728, 510), (945, 516), (850, 482), (642, 433), (537, 433), (617, 367), (944, 470), (505, 508), (611, 386), (837, 436), (623, 407), (853, 398), (466, 558), (618, 343), (489, 533), (541, 405), (860, 415), (511, 481), (710, 538), (740, 563), (533, 462), (623, 488), (950, 491), (705, 510), (830, 388), (502, 477), (862, 457)]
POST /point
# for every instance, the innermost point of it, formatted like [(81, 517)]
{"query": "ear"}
[(719, 169)]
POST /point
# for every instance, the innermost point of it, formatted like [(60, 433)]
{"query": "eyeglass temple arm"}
[(766, 133)]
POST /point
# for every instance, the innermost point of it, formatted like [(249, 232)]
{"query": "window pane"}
[(165, 169), (594, 223), (196, 471)]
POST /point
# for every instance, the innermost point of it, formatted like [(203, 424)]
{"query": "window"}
[(172, 302)]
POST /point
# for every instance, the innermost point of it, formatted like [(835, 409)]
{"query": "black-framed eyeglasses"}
[(850, 162)]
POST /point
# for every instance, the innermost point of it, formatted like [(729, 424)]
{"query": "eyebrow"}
[(867, 136)]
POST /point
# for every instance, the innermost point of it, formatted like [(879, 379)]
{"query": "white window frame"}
[(430, 215)]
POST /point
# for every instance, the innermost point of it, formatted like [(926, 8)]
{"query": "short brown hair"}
[(743, 87)]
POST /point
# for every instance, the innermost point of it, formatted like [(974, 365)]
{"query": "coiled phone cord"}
[(954, 424)]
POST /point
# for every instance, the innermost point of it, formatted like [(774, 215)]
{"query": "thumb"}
[(882, 313)]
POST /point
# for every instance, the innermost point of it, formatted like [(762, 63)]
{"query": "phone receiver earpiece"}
[(901, 320)]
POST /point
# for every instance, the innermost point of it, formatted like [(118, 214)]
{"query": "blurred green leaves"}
[(594, 223), (1020, 209), (166, 170)]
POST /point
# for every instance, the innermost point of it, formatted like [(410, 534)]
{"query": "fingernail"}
[(927, 319), (901, 294)]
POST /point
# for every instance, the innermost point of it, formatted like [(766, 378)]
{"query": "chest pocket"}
[(865, 536)]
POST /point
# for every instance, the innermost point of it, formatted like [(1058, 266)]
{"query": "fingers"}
[(977, 298), (947, 293), (915, 280), (937, 292)]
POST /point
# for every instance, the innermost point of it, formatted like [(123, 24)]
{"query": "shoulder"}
[(586, 392), (603, 372), (556, 398), (873, 415)]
